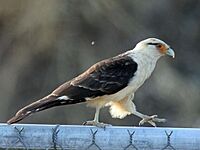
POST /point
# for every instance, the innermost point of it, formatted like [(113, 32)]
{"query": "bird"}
[(109, 83)]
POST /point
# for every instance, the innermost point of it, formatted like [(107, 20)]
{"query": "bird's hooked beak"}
[(170, 52)]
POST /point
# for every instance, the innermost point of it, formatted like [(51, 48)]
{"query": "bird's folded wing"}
[(106, 77)]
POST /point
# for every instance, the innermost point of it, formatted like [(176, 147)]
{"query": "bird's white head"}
[(155, 47)]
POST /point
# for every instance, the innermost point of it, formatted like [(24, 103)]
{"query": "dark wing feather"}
[(106, 77)]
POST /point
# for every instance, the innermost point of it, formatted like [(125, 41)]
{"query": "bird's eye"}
[(162, 48), (159, 46)]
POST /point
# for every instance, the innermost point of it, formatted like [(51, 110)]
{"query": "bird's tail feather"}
[(42, 104)]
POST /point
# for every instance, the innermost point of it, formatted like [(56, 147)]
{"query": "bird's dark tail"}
[(42, 104)]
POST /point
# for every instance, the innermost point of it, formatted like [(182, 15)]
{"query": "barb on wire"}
[(55, 132), (19, 136), (168, 141), (93, 140), (131, 144)]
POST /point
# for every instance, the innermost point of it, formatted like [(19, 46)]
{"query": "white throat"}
[(146, 65)]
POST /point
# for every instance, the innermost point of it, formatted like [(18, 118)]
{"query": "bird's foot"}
[(151, 120), (95, 123)]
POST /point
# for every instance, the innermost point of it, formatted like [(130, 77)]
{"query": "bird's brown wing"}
[(104, 78)]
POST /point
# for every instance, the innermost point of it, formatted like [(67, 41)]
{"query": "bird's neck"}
[(146, 64), (144, 56)]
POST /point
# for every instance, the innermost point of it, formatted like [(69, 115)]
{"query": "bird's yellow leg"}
[(96, 122), (150, 119)]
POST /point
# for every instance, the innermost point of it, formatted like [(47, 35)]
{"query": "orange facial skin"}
[(162, 48)]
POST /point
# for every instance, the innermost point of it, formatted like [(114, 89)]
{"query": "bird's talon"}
[(97, 124), (84, 123), (151, 120)]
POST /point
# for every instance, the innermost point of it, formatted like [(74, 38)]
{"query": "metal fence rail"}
[(38, 136)]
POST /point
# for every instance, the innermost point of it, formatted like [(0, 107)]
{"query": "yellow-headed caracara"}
[(111, 82)]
